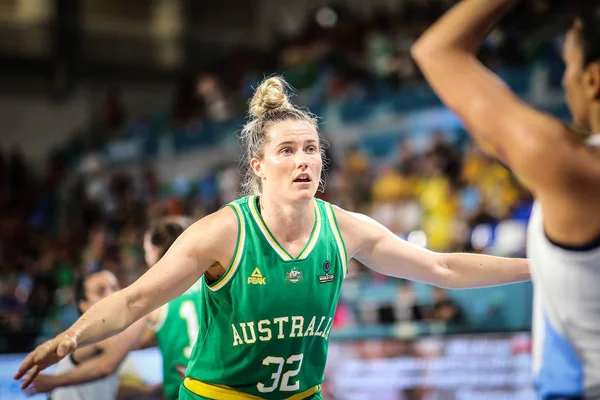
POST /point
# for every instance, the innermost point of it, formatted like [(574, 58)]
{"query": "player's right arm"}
[(210, 240), (549, 158), (114, 351)]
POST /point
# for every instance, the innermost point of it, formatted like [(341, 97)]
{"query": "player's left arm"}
[(515, 133), (379, 249)]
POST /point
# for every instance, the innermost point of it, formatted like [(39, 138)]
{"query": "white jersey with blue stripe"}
[(101, 389), (566, 315)]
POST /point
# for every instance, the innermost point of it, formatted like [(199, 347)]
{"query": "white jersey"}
[(102, 389), (566, 314)]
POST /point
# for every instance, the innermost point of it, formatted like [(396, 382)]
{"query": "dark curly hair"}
[(587, 21), (164, 232), (79, 289)]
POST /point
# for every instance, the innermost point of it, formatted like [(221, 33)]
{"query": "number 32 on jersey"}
[(293, 370)]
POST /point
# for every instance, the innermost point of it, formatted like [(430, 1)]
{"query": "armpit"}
[(214, 272)]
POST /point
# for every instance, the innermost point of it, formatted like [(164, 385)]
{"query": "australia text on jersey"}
[(285, 329)]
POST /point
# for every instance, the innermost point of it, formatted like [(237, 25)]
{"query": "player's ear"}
[(257, 167), (83, 306), (592, 80)]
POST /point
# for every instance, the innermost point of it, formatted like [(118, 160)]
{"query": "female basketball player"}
[(282, 255), (561, 170)]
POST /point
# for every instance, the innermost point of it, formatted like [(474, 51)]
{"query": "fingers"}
[(42, 357), (25, 366), (30, 391), (30, 377)]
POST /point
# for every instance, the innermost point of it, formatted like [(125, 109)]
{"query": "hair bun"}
[(270, 95)]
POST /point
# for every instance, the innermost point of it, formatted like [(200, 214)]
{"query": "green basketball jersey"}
[(265, 325), (176, 332)]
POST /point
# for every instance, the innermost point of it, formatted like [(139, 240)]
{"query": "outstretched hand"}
[(45, 355), (41, 384)]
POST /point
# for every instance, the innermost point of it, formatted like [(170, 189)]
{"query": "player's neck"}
[(287, 220)]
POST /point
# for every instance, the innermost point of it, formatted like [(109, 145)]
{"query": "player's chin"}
[(304, 192)]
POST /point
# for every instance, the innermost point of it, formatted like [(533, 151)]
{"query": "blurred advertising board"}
[(461, 367)]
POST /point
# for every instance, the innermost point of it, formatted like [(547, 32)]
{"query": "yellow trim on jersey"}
[(235, 262), (312, 241), (223, 392), (338, 238)]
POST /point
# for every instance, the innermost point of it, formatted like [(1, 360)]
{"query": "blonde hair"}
[(269, 105)]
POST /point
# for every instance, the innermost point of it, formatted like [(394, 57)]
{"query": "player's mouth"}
[(303, 178)]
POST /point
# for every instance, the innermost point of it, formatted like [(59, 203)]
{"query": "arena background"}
[(114, 113)]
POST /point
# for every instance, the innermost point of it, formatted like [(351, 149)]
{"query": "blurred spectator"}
[(2, 171), (405, 308), (210, 92), (445, 309), (17, 171), (109, 122), (188, 109)]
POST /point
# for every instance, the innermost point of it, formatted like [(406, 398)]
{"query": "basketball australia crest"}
[(293, 276), (327, 277)]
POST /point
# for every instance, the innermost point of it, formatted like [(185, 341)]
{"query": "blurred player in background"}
[(90, 373), (562, 171), (174, 326)]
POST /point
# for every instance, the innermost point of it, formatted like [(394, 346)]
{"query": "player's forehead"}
[(101, 279), (147, 239), (572, 45), (292, 131)]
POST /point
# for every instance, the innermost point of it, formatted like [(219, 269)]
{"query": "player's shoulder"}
[(356, 228), (220, 221), (346, 218), (350, 224), (213, 236), (240, 204)]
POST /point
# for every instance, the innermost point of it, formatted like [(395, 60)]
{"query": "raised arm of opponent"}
[(553, 162)]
